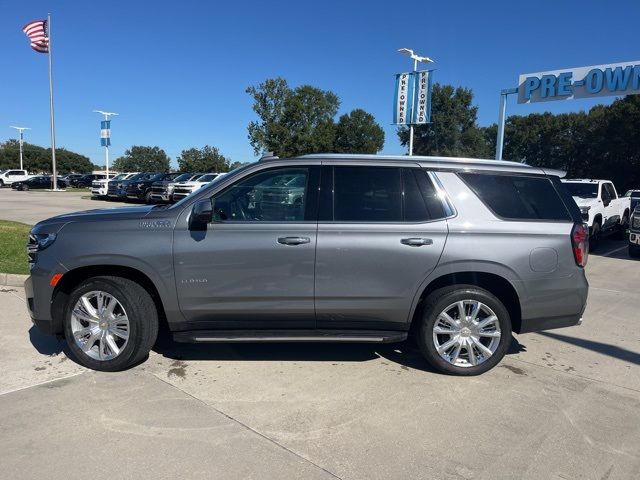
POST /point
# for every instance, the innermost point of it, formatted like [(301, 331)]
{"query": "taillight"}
[(580, 243)]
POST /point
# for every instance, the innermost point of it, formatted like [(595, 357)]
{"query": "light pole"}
[(21, 130), (105, 136), (416, 58)]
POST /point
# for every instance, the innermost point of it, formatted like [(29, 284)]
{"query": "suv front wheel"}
[(465, 330), (110, 323)]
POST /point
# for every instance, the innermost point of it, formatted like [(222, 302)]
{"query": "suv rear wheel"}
[(110, 323), (465, 330)]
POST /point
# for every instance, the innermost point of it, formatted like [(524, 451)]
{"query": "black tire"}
[(141, 312), (1, 184), (621, 233), (634, 251), (147, 197), (594, 238), (436, 303), (24, 188)]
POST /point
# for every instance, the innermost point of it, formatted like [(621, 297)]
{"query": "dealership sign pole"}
[(412, 99), (616, 79), (21, 130), (105, 136)]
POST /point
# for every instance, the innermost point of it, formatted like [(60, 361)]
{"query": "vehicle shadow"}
[(603, 348), (47, 344), (405, 353)]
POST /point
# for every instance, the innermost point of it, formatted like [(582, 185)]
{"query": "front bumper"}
[(39, 298)]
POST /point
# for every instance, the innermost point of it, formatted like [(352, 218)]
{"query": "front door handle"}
[(293, 240), (416, 242)]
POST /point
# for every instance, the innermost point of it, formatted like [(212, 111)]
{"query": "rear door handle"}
[(416, 241), (293, 240)]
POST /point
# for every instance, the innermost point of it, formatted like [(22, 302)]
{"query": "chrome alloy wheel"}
[(466, 333), (100, 325)]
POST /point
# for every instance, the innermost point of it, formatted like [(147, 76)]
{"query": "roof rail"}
[(268, 156)]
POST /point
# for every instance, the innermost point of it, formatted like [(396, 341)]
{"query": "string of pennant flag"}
[(412, 99)]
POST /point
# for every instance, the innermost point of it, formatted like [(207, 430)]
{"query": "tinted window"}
[(518, 197), (367, 194), (582, 190), (610, 190), (265, 196)]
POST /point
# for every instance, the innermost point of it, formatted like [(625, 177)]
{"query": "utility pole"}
[(105, 136), (21, 130)]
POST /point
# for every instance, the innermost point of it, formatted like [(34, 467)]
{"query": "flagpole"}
[(53, 124)]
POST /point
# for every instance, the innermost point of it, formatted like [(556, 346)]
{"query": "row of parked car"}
[(23, 180), (151, 187)]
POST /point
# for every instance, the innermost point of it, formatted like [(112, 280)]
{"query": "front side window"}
[(518, 197), (611, 192), (275, 195)]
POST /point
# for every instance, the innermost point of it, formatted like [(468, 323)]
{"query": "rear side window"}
[(367, 194), (378, 195), (518, 197)]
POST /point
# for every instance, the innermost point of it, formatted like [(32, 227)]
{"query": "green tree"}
[(235, 165), (453, 130), (142, 159), (292, 121), (358, 132), (38, 159), (205, 159)]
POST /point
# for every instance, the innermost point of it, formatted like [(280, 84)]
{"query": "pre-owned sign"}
[(582, 82)]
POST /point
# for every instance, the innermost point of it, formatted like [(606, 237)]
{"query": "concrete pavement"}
[(33, 206), (563, 404)]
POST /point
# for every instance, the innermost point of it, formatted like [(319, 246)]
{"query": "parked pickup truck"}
[(601, 207), (10, 176)]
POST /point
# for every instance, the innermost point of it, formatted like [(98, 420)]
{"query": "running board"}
[(282, 336)]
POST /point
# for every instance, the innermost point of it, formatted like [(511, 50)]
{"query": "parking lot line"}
[(613, 251), (41, 383)]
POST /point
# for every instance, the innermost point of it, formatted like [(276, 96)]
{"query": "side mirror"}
[(201, 214)]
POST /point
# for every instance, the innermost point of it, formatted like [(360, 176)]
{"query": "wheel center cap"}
[(104, 325), (465, 332)]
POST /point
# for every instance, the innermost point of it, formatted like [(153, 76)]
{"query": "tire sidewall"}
[(133, 314), (447, 296)]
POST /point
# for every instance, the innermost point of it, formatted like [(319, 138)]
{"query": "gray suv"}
[(458, 253)]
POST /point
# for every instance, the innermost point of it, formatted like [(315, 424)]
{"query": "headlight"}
[(585, 209), (140, 186), (40, 241)]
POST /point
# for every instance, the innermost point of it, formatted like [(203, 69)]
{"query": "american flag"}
[(37, 33)]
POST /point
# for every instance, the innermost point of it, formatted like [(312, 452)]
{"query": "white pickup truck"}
[(9, 176), (601, 207)]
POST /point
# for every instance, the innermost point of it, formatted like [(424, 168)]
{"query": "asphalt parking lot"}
[(563, 404)]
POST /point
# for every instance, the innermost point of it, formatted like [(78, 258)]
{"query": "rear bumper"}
[(554, 303)]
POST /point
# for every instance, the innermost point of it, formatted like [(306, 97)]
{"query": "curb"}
[(12, 279)]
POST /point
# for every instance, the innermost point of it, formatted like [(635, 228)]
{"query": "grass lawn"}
[(13, 247)]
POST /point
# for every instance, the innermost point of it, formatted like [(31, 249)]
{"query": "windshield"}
[(582, 190), (633, 194), (138, 176), (207, 178), (183, 178), (120, 176), (157, 177)]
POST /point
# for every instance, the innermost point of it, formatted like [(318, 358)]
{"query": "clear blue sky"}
[(177, 71)]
